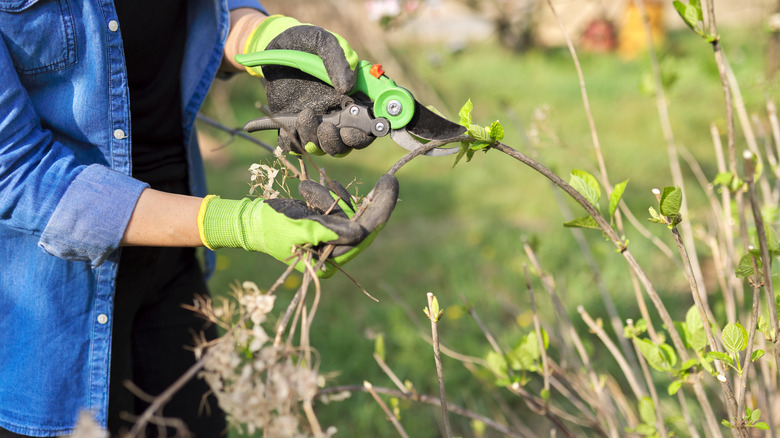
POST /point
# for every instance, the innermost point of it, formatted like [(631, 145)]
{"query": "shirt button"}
[(119, 134), (102, 318), (113, 25)]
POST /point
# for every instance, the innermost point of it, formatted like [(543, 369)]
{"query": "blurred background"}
[(459, 231)]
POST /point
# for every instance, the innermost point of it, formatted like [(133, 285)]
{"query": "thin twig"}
[(387, 370), (234, 132), (671, 146), (610, 233), (370, 388), (427, 399), (765, 257), (659, 418), (538, 329), (423, 149), (639, 392), (434, 314)]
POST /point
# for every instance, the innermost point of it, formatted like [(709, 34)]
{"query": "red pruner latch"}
[(376, 70)]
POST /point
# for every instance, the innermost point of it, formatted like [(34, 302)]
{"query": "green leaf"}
[(645, 429), (721, 356), (726, 423), (379, 346), (745, 266), (647, 410), (763, 327), (723, 179), (435, 310), (545, 394), (682, 9), (477, 145), (670, 357), (689, 364), (691, 14), (655, 217), (772, 242), (697, 336), (614, 197), (583, 222), (464, 148), (754, 415), (760, 425), (497, 364), (478, 133), (653, 354), (734, 337), (588, 186), (728, 181), (465, 113), (671, 200), (674, 387), (757, 354), (496, 131)]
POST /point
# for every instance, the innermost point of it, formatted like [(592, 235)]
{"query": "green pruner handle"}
[(392, 102)]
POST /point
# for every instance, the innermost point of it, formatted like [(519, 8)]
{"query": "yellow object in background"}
[(632, 40)]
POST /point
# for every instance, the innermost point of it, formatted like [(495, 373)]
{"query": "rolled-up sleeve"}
[(90, 219), (79, 209)]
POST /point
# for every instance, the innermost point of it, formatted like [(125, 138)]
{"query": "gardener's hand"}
[(291, 91), (281, 227)]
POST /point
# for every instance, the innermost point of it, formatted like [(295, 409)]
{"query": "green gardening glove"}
[(279, 226), (292, 92)]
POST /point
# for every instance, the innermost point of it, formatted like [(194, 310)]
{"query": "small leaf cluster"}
[(729, 181), (745, 265), (514, 366), (662, 357), (588, 186), (484, 136), (435, 313), (669, 204), (692, 15), (751, 420), (735, 340)]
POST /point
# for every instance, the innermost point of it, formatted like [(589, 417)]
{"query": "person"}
[(102, 196)]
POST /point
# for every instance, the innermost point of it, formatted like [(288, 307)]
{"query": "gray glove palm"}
[(290, 91)]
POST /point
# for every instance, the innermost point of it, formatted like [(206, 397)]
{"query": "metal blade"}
[(402, 138), (430, 126)]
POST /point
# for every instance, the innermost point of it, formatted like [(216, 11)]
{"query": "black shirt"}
[(153, 34)]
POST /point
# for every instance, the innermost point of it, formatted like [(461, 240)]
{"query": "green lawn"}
[(459, 232)]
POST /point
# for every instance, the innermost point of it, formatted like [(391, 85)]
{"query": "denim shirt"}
[(66, 195)]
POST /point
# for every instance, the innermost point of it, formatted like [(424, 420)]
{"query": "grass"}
[(459, 231)]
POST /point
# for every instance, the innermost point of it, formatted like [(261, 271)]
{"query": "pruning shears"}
[(393, 109)]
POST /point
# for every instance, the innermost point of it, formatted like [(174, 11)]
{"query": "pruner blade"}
[(403, 138), (427, 126)]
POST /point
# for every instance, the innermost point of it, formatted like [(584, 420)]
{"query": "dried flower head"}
[(259, 385)]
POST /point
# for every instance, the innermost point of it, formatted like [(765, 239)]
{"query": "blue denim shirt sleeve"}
[(92, 215), (254, 4), (79, 211)]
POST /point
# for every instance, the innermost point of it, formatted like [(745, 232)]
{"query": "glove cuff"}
[(274, 25), (219, 223), (266, 31)]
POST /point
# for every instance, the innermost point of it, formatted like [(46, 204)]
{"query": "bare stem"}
[(659, 418), (538, 330), (434, 315), (427, 399), (370, 388), (765, 256), (639, 392)]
